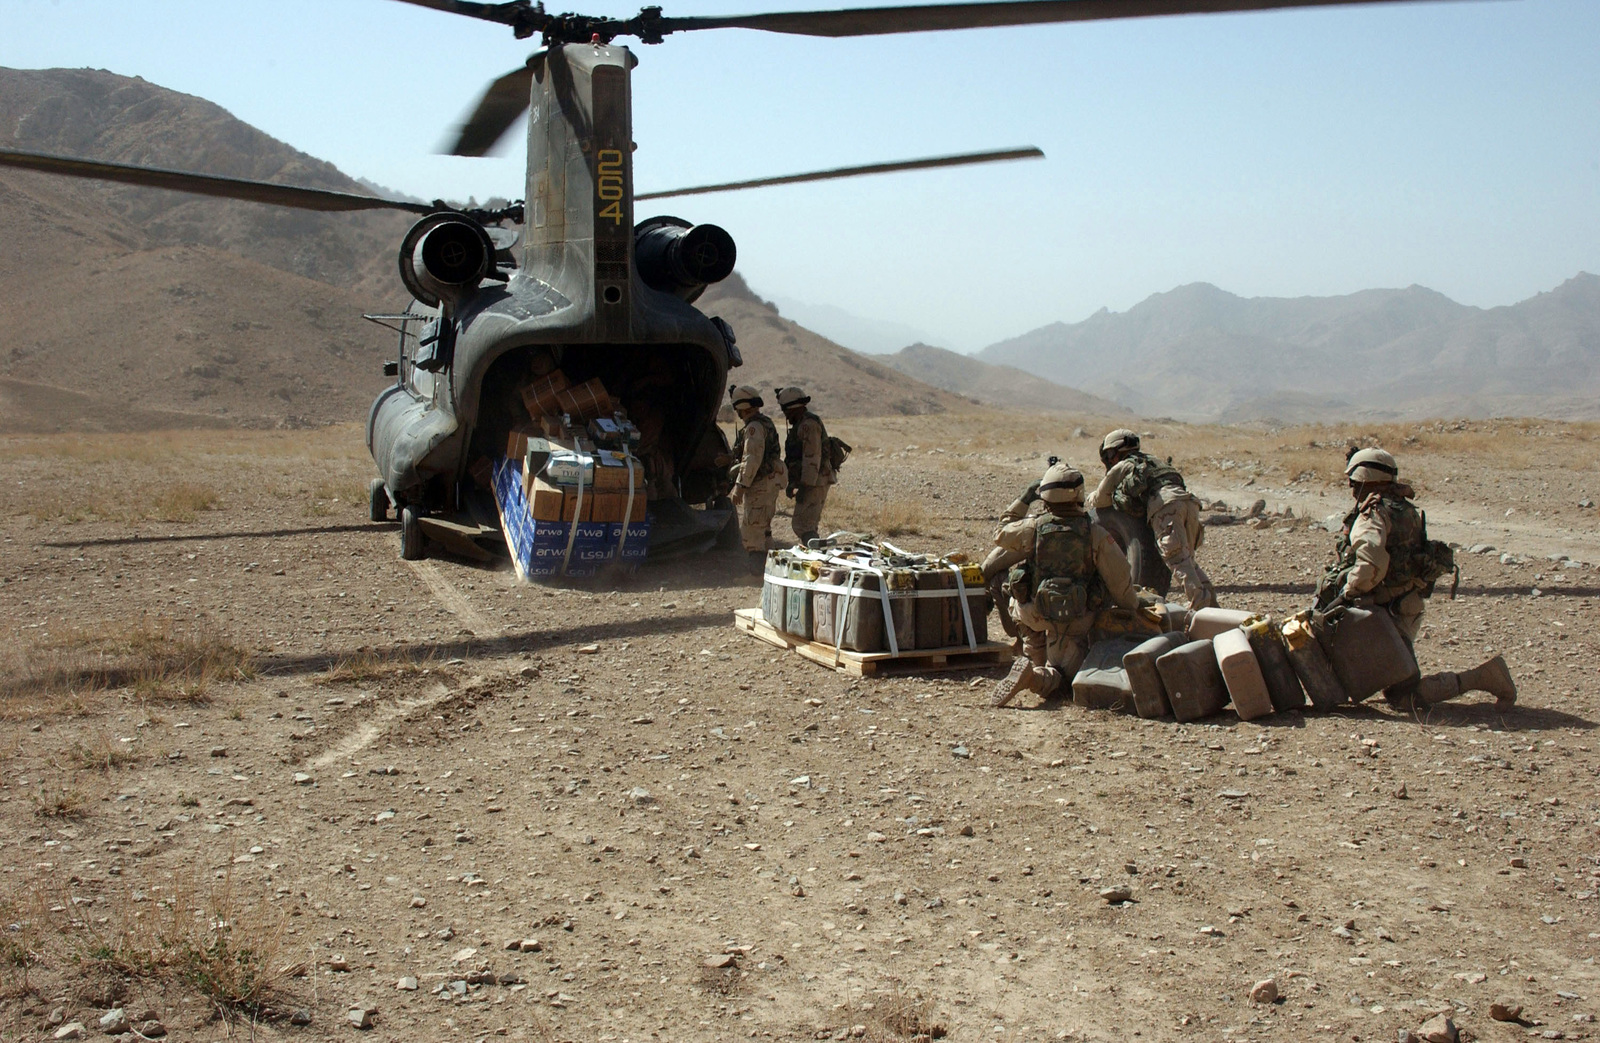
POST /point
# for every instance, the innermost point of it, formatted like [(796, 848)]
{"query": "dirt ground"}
[(251, 756)]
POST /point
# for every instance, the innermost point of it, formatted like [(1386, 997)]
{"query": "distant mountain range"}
[(1201, 353), (1005, 387), (856, 332)]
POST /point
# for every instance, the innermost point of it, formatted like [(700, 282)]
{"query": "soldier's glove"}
[(792, 491), (1147, 609), (737, 495), (1030, 494)]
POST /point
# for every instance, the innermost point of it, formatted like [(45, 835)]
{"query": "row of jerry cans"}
[(855, 621), (1228, 656)]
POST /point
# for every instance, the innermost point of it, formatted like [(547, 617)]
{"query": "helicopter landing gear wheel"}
[(380, 500), (412, 547)]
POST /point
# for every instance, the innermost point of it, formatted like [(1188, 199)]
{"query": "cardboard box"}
[(611, 506), (541, 396), (585, 401), (611, 474), (550, 503), (517, 441)]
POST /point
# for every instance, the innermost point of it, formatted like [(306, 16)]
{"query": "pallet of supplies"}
[(859, 606), (557, 521)]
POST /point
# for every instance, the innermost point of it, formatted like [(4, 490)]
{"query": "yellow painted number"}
[(608, 185)]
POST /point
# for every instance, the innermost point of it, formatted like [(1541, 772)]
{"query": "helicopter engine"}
[(444, 257), (676, 257)]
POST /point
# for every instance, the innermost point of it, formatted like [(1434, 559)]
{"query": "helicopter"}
[(576, 285)]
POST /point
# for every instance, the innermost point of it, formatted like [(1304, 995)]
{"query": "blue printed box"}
[(638, 545)]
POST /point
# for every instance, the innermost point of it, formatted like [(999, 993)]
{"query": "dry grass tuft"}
[(155, 661), (857, 514), (103, 753), (903, 1015), (221, 947), (370, 664), (61, 802), (183, 502)]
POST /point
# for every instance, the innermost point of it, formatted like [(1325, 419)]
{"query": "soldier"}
[(758, 473), (810, 464), (997, 563), (1152, 490), (1074, 570), (1384, 558)]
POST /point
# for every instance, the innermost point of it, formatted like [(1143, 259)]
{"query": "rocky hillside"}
[(1201, 353), (1004, 387), (843, 383)]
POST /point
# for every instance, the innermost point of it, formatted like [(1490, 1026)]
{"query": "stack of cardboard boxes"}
[(577, 482)]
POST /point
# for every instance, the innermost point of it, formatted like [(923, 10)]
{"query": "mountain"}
[(872, 336), (129, 306), (1004, 386), (778, 352), (1200, 353)]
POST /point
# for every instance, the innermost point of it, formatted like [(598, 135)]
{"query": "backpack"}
[(1067, 584), (1143, 479)]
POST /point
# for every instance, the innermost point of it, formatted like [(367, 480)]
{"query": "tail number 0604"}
[(608, 185)]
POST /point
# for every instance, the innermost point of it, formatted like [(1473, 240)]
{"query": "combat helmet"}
[(746, 394), (791, 396), (1116, 442), (1061, 484), (1370, 466)]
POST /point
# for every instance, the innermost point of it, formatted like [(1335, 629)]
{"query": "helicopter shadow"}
[(196, 537), (502, 646)]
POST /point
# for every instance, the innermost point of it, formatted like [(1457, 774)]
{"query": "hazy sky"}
[(1451, 144)]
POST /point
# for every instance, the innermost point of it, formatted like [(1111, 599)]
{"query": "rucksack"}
[(1067, 584)]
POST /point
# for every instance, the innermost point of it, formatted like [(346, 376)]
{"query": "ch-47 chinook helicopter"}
[(592, 291)]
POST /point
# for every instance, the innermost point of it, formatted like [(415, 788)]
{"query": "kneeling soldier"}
[(1073, 570), (1384, 559)]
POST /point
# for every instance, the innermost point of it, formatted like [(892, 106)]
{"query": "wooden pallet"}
[(868, 664)]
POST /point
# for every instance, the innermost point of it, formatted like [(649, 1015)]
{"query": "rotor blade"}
[(874, 168), (505, 14), (501, 105), (874, 21), (206, 184)]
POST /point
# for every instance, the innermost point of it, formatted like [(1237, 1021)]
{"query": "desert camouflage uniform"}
[(1057, 650), (1174, 515), (760, 474), (810, 473), (1384, 523)]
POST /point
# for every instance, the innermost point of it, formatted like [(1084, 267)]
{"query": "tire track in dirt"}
[(453, 600)]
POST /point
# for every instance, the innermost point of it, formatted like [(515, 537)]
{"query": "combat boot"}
[(1022, 678), (1493, 677)]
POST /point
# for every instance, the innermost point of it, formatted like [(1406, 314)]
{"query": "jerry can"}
[(1149, 693), (825, 605), (1193, 681), (1241, 674), (1273, 658), (1367, 652), (797, 608), (1101, 683), (1311, 664), (938, 619), (1209, 622), (774, 596), (862, 617)]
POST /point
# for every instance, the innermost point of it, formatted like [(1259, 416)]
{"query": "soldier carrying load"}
[(1384, 559), (1073, 570), (1149, 489)]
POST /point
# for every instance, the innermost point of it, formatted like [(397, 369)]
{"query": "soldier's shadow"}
[(1521, 718)]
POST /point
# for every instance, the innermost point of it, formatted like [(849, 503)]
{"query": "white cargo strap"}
[(572, 533), (627, 512), (966, 610)]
